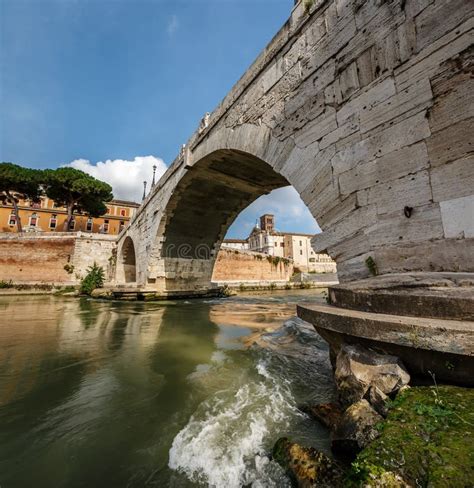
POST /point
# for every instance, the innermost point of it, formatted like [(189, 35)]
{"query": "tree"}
[(18, 183), (78, 192)]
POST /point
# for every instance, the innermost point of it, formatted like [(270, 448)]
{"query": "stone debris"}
[(355, 430), (358, 368), (306, 466), (328, 414), (378, 400)]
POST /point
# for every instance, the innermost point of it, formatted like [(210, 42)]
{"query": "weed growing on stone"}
[(93, 279)]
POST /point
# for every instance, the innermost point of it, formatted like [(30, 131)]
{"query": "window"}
[(36, 205), (312, 260), (301, 243), (282, 244), (105, 226), (123, 212), (89, 225), (301, 252), (33, 220), (122, 226), (72, 224), (12, 220), (53, 221)]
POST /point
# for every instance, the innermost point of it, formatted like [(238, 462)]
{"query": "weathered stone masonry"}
[(366, 108), (54, 257)]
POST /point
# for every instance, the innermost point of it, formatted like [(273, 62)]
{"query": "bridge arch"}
[(225, 174), (127, 261)]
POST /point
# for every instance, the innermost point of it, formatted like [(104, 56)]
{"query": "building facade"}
[(46, 216), (265, 239), (236, 244)]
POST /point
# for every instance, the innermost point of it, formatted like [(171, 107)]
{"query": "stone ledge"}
[(444, 347), (434, 302)]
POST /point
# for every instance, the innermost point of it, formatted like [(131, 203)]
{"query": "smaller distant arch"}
[(128, 260)]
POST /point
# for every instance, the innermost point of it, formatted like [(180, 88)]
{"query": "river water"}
[(173, 394)]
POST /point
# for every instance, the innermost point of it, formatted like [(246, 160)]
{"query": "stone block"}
[(349, 81), (366, 66), (372, 95), (429, 28), (458, 217), (406, 34), (396, 164), (351, 126), (392, 228), (453, 180), (412, 190), (417, 96), (317, 128), (454, 101), (426, 63), (392, 138), (359, 219)]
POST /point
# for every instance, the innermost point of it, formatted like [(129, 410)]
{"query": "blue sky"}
[(118, 81)]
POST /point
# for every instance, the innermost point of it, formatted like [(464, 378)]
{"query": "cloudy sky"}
[(115, 86)]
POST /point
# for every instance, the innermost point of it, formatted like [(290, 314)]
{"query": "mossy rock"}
[(427, 440), (306, 466)]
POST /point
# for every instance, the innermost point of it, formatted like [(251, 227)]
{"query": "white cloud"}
[(125, 177), (173, 25)]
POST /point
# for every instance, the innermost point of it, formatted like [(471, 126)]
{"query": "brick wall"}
[(249, 266), (34, 260), (42, 258)]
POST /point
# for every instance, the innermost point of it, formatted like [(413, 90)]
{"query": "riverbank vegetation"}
[(94, 278), (426, 440)]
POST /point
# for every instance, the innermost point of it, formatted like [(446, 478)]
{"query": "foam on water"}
[(224, 443)]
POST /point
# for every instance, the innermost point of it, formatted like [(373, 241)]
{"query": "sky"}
[(114, 86)]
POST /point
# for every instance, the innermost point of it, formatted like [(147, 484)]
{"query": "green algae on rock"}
[(306, 466), (426, 440)]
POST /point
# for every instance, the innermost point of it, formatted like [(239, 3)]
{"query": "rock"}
[(358, 368), (355, 430), (306, 466), (378, 400), (101, 293), (326, 413)]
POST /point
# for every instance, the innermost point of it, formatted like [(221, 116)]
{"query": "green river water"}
[(176, 394)]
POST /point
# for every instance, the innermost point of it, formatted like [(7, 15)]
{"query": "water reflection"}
[(94, 393)]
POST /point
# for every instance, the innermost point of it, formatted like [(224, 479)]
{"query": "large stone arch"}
[(365, 109)]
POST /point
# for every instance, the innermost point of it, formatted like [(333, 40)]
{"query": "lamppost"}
[(144, 190), (154, 171)]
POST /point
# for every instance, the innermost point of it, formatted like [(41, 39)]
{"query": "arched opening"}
[(204, 204), (128, 261)]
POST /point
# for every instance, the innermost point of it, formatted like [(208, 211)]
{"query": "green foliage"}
[(69, 268), (18, 183), (426, 440), (372, 266), (276, 260), (77, 191), (6, 284), (307, 5), (94, 279)]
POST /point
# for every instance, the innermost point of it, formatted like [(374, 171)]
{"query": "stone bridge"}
[(366, 108)]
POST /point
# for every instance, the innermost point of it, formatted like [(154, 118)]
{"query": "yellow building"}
[(47, 217)]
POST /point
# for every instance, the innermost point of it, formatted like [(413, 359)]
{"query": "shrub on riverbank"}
[(94, 279), (426, 440)]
